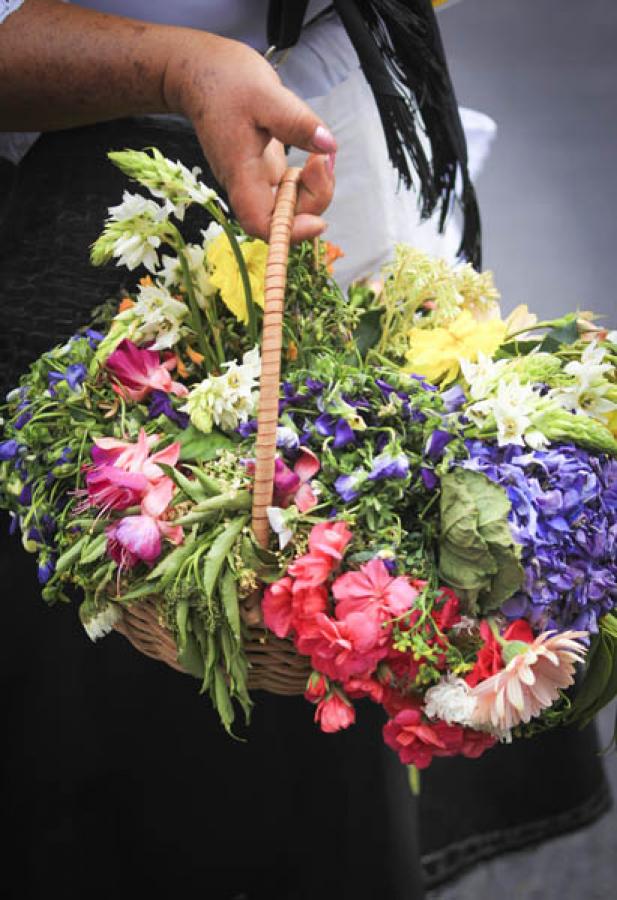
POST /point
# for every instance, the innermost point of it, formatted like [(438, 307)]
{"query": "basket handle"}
[(271, 344)]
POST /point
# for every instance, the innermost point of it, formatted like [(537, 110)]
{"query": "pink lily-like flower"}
[(294, 485), (124, 472), (135, 538), (140, 371)]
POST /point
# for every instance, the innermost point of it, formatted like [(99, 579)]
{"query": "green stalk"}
[(244, 275), (204, 345)]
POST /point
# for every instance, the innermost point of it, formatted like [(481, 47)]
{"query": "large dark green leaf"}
[(368, 331), (196, 445)]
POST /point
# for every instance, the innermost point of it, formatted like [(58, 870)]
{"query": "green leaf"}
[(170, 564), (211, 486), (197, 445), (217, 553), (368, 331), (477, 554), (143, 590), (222, 700)]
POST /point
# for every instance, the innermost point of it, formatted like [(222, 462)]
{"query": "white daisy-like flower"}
[(133, 206), (451, 700), (586, 395), (102, 622), (512, 407)]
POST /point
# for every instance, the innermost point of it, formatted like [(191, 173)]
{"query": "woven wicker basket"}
[(274, 664)]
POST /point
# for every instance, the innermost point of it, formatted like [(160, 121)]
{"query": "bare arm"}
[(62, 66)]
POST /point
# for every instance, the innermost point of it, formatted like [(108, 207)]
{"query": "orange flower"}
[(125, 303), (181, 369), (194, 356), (332, 254), (530, 682)]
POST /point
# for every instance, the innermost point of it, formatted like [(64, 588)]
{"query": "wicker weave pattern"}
[(274, 664)]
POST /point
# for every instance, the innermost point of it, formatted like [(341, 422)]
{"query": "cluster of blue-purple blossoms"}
[(564, 516)]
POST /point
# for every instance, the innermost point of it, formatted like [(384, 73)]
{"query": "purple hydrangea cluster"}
[(564, 516)]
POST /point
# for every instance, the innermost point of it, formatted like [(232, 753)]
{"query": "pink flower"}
[(124, 472), (276, 607), (140, 371), (373, 588), (135, 457), (134, 538), (417, 742), (112, 488), (329, 539), (294, 485), (310, 570), (530, 682), (334, 714), (346, 648)]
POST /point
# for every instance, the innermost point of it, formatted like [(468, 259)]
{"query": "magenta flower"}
[(138, 372), (135, 538), (293, 486)]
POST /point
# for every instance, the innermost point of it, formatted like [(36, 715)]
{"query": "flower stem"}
[(244, 275), (204, 344)]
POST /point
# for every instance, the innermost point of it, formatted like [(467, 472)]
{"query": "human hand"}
[(243, 116)]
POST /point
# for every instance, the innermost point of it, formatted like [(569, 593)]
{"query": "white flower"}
[(512, 407), (586, 394), (228, 399), (287, 437), (132, 250), (279, 520), (482, 376), (102, 622), (132, 206), (158, 315), (450, 700)]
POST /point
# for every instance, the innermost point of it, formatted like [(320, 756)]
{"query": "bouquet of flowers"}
[(445, 486)]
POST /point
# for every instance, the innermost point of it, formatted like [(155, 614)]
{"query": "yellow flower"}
[(226, 273), (435, 353)]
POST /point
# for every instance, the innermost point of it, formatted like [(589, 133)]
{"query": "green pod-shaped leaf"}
[(217, 553)]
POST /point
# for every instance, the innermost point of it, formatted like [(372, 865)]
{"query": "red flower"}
[(476, 742), (329, 539), (316, 688), (417, 742), (490, 660), (372, 587), (348, 648), (334, 714), (276, 607), (364, 687), (310, 570)]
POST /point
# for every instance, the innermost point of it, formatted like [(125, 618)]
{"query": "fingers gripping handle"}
[(269, 387)]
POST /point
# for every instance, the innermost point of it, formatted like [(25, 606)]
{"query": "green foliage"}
[(599, 684), (477, 556)]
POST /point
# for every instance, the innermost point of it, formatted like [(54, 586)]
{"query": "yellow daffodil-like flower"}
[(436, 353), (226, 273)]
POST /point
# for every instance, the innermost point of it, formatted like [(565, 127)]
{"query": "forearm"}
[(61, 66)]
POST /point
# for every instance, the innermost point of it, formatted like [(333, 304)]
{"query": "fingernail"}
[(323, 140), (330, 160)]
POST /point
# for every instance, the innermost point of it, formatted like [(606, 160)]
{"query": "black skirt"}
[(118, 779)]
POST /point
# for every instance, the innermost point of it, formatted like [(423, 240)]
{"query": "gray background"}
[(546, 71)]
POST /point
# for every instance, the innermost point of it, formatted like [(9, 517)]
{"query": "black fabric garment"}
[(117, 777), (402, 57)]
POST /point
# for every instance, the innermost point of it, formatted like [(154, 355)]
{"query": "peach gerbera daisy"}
[(530, 682)]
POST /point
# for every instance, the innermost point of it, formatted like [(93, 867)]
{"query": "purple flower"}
[(387, 466), (94, 337), (346, 486), (453, 398), (8, 450), (161, 405), (343, 434), (46, 569), (315, 387), (437, 443), (23, 419), (25, 497), (564, 517), (73, 376), (248, 428), (287, 438), (429, 479)]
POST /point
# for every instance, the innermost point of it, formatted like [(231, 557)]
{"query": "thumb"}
[(291, 121)]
